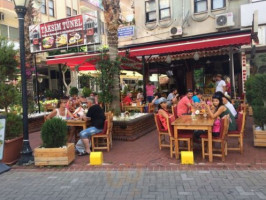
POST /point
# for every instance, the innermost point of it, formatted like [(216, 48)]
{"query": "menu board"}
[(2, 135), (64, 33)]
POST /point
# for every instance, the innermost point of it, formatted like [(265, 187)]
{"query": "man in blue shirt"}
[(197, 97)]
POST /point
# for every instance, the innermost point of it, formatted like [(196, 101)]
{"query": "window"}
[(51, 8), (4, 30), (164, 9), (43, 7), (150, 8), (200, 6), (75, 12), (216, 4), (68, 11), (13, 33)]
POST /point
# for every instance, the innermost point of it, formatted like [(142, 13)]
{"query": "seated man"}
[(184, 105), (172, 97), (197, 97), (96, 116), (127, 100)]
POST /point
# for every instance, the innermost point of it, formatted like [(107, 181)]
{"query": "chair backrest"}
[(151, 107), (174, 111), (109, 118), (241, 120), (105, 127), (158, 123), (169, 121), (224, 126)]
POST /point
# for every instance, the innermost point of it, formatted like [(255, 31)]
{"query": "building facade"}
[(194, 39)]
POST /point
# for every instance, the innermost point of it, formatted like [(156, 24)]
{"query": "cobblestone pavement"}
[(134, 184)]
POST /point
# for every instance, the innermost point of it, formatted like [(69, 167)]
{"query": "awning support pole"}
[(144, 77), (232, 72)]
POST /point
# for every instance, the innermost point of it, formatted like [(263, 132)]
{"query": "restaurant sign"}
[(2, 135), (244, 70), (64, 33)]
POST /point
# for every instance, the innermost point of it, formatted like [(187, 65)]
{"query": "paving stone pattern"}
[(134, 184)]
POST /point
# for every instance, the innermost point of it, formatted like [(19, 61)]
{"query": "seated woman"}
[(63, 113), (163, 112), (127, 100), (220, 110)]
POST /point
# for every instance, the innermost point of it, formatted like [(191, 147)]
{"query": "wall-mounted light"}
[(196, 56), (40, 79), (168, 59)]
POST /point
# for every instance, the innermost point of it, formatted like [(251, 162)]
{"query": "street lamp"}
[(26, 153)]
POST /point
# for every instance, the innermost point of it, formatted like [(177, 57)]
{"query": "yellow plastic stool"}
[(96, 158), (187, 157)]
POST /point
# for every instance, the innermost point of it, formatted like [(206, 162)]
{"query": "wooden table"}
[(186, 122), (137, 107), (78, 122)]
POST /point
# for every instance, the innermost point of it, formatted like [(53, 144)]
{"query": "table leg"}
[(210, 144), (176, 143), (84, 126)]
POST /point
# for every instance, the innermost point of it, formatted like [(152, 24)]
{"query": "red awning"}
[(76, 60), (83, 67), (190, 45)]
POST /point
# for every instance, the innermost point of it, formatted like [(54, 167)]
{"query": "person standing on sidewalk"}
[(96, 116), (149, 91)]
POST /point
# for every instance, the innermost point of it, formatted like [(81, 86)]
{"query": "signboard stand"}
[(3, 167)]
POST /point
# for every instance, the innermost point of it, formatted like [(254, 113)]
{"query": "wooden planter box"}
[(12, 149), (259, 138), (54, 156)]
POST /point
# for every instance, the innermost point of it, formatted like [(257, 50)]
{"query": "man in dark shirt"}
[(96, 116)]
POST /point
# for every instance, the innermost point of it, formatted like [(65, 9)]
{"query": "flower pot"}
[(12, 149), (259, 137), (54, 156)]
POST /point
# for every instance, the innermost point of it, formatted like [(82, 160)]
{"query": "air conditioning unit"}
[(176, 30), (224, 20), (2, 16)]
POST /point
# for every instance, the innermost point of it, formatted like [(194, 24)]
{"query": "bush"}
[(13, 126), (256, 96), (54, 133), (86, 92), (73, 91)]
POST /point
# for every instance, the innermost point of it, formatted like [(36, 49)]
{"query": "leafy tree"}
[(111, 15), (8, 62)]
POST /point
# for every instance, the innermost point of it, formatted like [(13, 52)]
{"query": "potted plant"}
[(13, 138), (256, 97), (73, 91), (54, 149)]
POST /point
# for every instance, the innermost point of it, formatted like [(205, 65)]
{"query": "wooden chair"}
[(105, 136), (239, 133), (174, 111), (163, 134), (151, 108), (184, 136), (220, 139)]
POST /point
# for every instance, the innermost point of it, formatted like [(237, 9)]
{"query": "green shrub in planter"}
[(256, 97), (86, 92), (73, 91), (13, 126), (54, 133)]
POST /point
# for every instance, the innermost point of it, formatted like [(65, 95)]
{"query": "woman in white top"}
[(227, 103), (63, 113)]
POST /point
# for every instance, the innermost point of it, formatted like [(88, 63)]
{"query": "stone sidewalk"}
[(135, 184)]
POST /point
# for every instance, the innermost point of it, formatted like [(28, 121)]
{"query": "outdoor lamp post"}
[(26, 153)]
